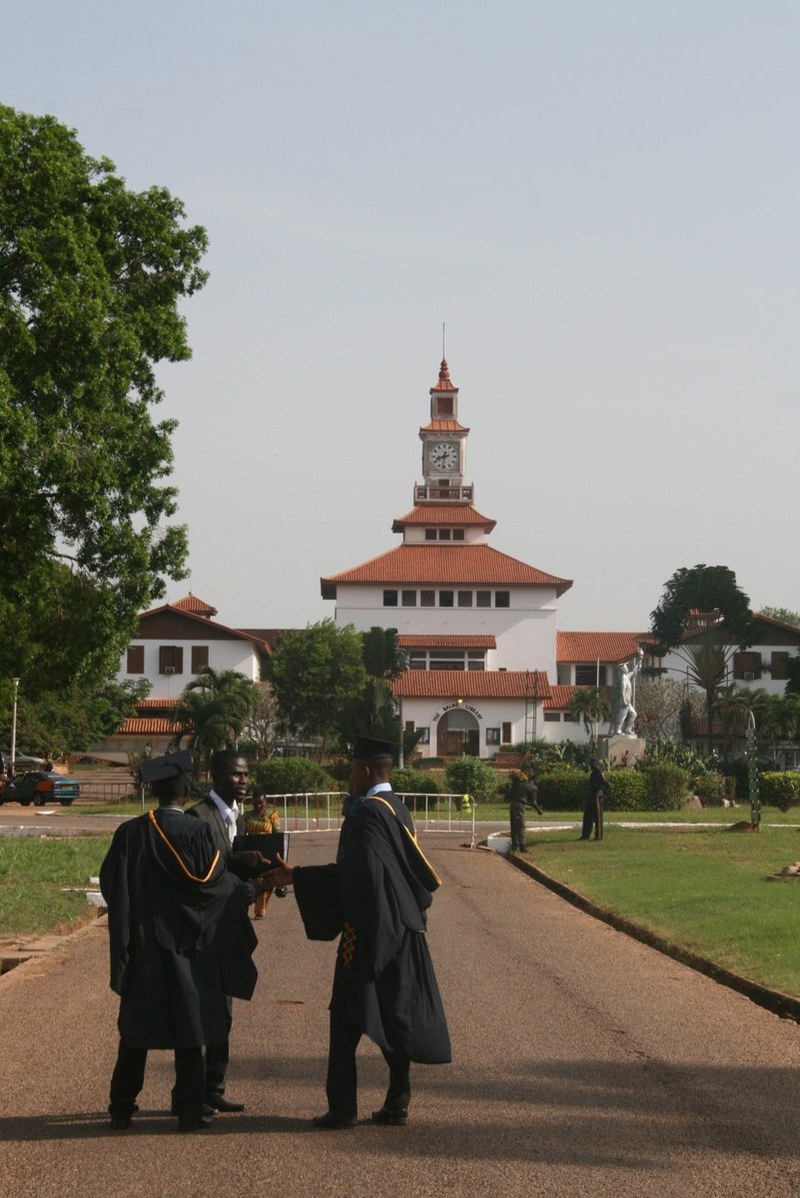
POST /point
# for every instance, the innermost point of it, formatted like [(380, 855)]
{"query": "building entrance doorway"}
[(458, 734)]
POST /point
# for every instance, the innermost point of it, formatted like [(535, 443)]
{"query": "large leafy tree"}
[(703, 617), (315, 672), (71, 719), (91, 275)]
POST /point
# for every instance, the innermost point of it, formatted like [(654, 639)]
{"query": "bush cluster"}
[(470, 775), (413, 781), (627, 791), (780, 788), (666, 786), (710, 787), (563, 790), (292, 775)]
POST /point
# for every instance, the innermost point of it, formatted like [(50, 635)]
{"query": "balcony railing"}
[(437, 493)]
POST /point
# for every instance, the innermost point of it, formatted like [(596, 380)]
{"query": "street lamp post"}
[(14, 727)]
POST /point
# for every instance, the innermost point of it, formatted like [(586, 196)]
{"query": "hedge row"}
[(660, 788)]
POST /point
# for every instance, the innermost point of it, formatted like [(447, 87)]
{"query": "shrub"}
[(710, 788), (780, 788), (292, 775), (411, 781), (666, 785), (627, 791), (563, 790), (665, 750), (470, 775)]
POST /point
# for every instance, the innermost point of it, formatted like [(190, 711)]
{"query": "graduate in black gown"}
[(181, 941), (376, 895)]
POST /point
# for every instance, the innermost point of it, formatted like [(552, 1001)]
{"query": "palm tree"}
[(214, 710), (591, 704), (706, 657)]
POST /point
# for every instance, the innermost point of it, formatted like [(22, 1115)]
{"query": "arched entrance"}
[(458, 734)]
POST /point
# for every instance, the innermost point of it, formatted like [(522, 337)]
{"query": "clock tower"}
[(443, 447)]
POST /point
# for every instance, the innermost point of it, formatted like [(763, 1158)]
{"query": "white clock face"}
[(444, 455)]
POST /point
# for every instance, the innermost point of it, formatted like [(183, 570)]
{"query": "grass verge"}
[(706, 890), (32, 875)]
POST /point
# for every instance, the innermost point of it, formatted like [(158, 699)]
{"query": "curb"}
[(772, 1000), (35, 950)]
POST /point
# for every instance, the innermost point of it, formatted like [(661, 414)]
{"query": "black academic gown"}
[(379, 891), (179, 932)]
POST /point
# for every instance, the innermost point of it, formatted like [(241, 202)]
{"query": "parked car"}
[(40, 787)]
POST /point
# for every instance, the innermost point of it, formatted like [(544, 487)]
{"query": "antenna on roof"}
[(444, 340)]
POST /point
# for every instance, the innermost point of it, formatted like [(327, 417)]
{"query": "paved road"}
[(585, 1064)]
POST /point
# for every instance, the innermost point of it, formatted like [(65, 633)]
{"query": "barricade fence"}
[(314, 811), (311, 811)]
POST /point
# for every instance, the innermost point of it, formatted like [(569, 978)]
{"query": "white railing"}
[(321, 811)]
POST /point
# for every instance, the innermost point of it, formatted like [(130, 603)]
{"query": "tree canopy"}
[(315, 672), (703, 615), (91, 275), (699, 599)]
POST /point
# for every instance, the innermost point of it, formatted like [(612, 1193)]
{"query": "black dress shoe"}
[(222, 1104), (396, 1118), (331, 1121), (195, 1120)]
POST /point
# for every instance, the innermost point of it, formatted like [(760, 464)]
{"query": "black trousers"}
[(128, 1079), (341, 1085), (593, 817), (217, 1057)]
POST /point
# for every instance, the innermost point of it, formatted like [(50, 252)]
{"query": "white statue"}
[(624, 716)]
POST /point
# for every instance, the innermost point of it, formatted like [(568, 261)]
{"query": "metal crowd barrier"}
[(312, 811)]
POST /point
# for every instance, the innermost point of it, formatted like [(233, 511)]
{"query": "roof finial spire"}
[(444, 341)]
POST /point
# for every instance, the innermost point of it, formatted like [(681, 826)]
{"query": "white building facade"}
[(478, 625)]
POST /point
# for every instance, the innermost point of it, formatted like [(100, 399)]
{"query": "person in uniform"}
[(223, 812), (376, 895), (180, 941), (593, 811), (522, 794)]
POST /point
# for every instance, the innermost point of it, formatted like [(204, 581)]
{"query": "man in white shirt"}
[(223, 812)]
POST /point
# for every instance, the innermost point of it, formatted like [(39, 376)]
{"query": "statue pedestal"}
[(620, 752)]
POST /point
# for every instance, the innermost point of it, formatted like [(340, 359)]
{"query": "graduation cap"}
[(367, 748), (159, 769)]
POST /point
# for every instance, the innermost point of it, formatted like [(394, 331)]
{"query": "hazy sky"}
[(599, 197)]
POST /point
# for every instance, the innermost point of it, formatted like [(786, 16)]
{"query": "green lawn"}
[(32, 874), (705, 890)]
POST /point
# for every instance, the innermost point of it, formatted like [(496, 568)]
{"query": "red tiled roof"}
[(444, 514), (148, 726), (408, 640), (471, 684), (194, 605), (560, 696), (443, 426), (150, 704), (607, 646), (472, 565)]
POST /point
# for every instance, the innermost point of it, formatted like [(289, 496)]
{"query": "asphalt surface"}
[(585, 1063)]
